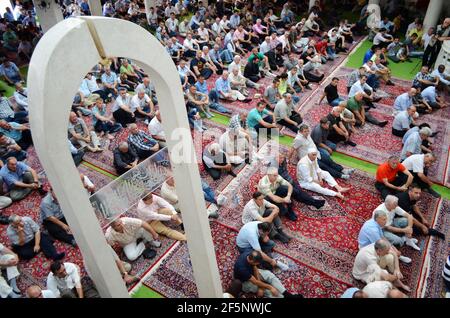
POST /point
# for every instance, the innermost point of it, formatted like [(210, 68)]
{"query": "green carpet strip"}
[(104, 172)]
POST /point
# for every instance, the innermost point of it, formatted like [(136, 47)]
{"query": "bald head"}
[(34, 291)]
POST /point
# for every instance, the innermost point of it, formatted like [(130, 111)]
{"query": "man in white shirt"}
[(172, 25), (259, 209), (377, 262), (64, 280), (127, 231), (418, 165), (142, 105), (382, 39), (236, 145), (366, 91), (21, 96), (312, 178), (265, 46), (154, 210), (398, 229), (382, 289), (155, 128)]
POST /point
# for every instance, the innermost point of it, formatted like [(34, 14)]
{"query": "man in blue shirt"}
[(404, 101), (202, 87), (369, 53), (20, 179), (430, 95)]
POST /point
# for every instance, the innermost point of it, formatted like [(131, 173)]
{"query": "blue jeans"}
[(336, 102), (394, 238), (208, 193), (226, 56), (295, 98), (373, 81), (323, 152), (415, 54)]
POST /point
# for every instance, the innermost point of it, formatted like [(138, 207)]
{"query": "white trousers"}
[(11, 272), (312, 186), (133, 251)]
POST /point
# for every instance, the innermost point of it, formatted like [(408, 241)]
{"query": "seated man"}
[(121, 110), (103, 123), (286, 115), (236, 145), (34, 291), (8, 262), (255, 236), (8, 113), (337, 130), (403, 121), (126, 232), (278, 191), (141, 142), (414, 143), (331, 92), (64, 280), (154, 210), (404, 101), (444, 77), (240, 83), (418, 165), (20, 179), (199, 66), (142, 105), (77, 154), (252, 70), (258, 281), (260, 119), (21, 97), (223, 88), (303, 142), (398, 228), (259, 209), (435, 96), (53, 220), (382, 289), (392, 177), (10, 72), (9, 148), (319, 135), (215, 160), (271, 95), (355, 105), (408, 202), (312, 178), (20, 133), (27, 240), (124, 158), (423, 79), (80, 133), (377, 262), (155, 128), (366, 90), (200, 100)]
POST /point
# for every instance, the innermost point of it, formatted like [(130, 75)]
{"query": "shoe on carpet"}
[(432, 192), (231, 173), (345, 176), (287, 294), (291, 216), (213, 215), (348, 171), (319, 204), (155, 243), (390, 83), (351, 143), (433, 232), (4, 219), (149, 253), (434, 134), (404, 259), (411, 243), (383, 123)]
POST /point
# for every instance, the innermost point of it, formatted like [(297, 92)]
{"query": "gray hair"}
[(391, 199), (14, 218), (430, 155), (382, 244), (303, 127), (425, 131), (378, 214), (272, 170)]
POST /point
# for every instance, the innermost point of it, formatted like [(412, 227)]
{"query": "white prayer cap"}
[(312, 150)]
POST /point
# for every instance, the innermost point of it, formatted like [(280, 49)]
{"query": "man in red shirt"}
[(321, 48), (392, 177)]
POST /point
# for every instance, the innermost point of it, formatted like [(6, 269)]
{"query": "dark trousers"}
[(26, 141), (297, 193), (419, 181), (276, 223), (295, 117), (327, 164), (398, 133), (215, 173), (19, 155), (20, 117), (267, 119), (385, 191), (206, 72), (107, 127), (334, 137), (26, 251), (282, 192), (430, 55), (312, 77), (58, 232), (123, 117), (78, 157), (369, 119)]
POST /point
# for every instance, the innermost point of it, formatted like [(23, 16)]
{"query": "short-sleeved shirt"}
[(402, 121), (412, 145), (385, 171), (429, 94), (50, 207), (79, 127), (370, 232), (333, 120), (402, 102), (243, 271), (266, 187), (398, 211), (319, 135), (271, 94), (302, 145), (254, 117), (131, 226), (405, 202), (14, 132), (4, 147), (353, 105), (415, 163), (29, 228), (200, 63), (11, 177), (248, 236), (252, 211), (97, 111), (282, 110), (331, 92)]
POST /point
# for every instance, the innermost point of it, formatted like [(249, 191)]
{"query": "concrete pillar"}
[(444, 56), (95, 7), (48, 16), (433, 14), (111, 37)]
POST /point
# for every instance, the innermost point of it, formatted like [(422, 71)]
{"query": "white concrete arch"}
[(62, 57)]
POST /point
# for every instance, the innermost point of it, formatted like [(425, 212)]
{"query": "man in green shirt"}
[(260, 118), (355, 105), (10, 40)]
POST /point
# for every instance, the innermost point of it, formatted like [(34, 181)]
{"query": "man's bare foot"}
[(340, 196), (343, 190)]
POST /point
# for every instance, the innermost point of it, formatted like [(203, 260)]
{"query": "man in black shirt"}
[(337, 131), (251, 70), (331, 93), (124, 158), (199, 66), (408, 202), (258, 281)]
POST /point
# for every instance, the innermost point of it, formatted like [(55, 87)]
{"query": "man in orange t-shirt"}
[(392, 177)]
